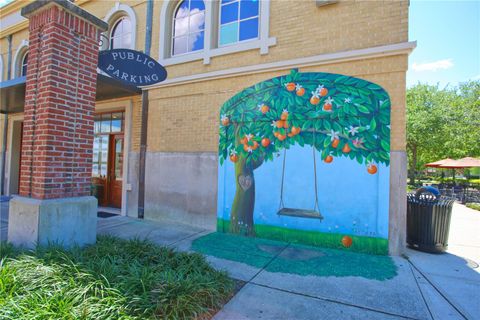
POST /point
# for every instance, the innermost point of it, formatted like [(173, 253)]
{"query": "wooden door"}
[(115, 170)]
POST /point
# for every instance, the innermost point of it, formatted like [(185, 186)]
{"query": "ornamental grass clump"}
[(114, 279)]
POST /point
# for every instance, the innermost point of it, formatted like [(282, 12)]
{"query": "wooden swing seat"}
[(300, 213)]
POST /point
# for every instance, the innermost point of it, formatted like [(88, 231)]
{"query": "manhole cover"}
[(300, 254)]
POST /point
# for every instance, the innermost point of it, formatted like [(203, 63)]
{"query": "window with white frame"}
[(188, 33), (121, 34), (238, 21), (194, 29), (23, 65)]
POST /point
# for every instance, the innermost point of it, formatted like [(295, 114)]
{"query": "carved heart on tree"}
[(245, 182)]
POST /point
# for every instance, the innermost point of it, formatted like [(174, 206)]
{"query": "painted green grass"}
[(294, 258), (368, 245), (114, 279)]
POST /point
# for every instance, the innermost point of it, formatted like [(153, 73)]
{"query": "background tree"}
[(442, 123), (337, 115)]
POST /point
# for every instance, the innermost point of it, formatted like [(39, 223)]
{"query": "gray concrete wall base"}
[(132, 194), (397, 228), (182, 187), (66, 221)]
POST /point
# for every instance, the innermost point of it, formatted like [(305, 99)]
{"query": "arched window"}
[(238, 21), (188, 27), (23, 65), (121, 34)]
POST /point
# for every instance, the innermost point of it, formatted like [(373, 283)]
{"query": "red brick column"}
[(60, 100)]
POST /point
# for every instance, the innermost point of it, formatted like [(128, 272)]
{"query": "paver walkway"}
[(426, 286)]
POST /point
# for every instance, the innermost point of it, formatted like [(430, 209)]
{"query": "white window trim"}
[(116, 13), (264, 42), (18, 58)]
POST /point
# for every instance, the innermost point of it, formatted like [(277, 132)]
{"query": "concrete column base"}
[(65, 221), (397, 232)]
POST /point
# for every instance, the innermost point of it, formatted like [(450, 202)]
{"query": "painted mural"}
[(305, 158)]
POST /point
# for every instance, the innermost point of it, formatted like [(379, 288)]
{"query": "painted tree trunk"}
[(241, 216)]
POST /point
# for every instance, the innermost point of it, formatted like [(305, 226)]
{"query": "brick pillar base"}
[(58, 126)]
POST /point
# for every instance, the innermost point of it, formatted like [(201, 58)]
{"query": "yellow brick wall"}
[(184, 118)]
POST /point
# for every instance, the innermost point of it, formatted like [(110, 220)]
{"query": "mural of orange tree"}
[(338, 115)]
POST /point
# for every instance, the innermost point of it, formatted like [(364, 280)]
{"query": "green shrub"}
[(473, 205), (114, 279)]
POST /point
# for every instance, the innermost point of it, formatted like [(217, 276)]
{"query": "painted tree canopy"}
[(308, 109), (337, 115)]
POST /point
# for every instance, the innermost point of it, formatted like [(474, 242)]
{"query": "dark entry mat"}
[(103, 214)]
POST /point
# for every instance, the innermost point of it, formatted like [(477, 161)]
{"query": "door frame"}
[(125, 105)]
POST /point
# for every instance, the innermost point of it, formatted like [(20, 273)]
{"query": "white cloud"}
[(433, 66), (477, 77)]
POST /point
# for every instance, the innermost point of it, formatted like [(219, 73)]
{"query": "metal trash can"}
[(428, 220)]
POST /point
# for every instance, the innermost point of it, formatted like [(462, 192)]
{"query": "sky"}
[(448, 41)]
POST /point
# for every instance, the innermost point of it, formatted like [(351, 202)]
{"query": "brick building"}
[(170, 134)]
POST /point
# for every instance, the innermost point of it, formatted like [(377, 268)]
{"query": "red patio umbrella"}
[(438, 163)]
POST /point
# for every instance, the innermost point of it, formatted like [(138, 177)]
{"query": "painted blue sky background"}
[(448, 41)]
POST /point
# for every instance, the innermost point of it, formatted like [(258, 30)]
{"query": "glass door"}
[(107, 164)]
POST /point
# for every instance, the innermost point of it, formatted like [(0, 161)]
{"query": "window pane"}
[(97, 123), (181, 27), (180, 45), (182, 10), (248, 8), (24, 65), (229, 33), (196, 41), (117, 122), (196, 6), (229, 13), (197, 22), (249, 29), (105, 125), (121, 36)]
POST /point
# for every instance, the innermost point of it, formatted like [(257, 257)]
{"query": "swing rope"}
[(316, 208)]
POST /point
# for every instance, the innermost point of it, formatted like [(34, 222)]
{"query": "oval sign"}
[(133, 67)]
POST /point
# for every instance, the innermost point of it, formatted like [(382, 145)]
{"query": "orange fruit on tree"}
[(295, 130), (265, 142), (225, 121), (243, 140), (264, 109), (314, 100), (327, 106), (328, 159), (284, 115), (280, 123), (347, 241), (290, 134), (281, 137), (335, 143), (323, 92), (372, 169), (346, 148), (233, 158), (300, 92), (290, 86), (255, 145), (276, 133), (285, 124)]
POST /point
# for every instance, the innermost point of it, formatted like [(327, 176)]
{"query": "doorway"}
[(107, 164)]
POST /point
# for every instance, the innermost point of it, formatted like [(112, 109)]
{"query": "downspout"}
[(5, 119), (144, 122)]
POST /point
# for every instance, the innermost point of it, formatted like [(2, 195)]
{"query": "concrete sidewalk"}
[(426, 286)]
